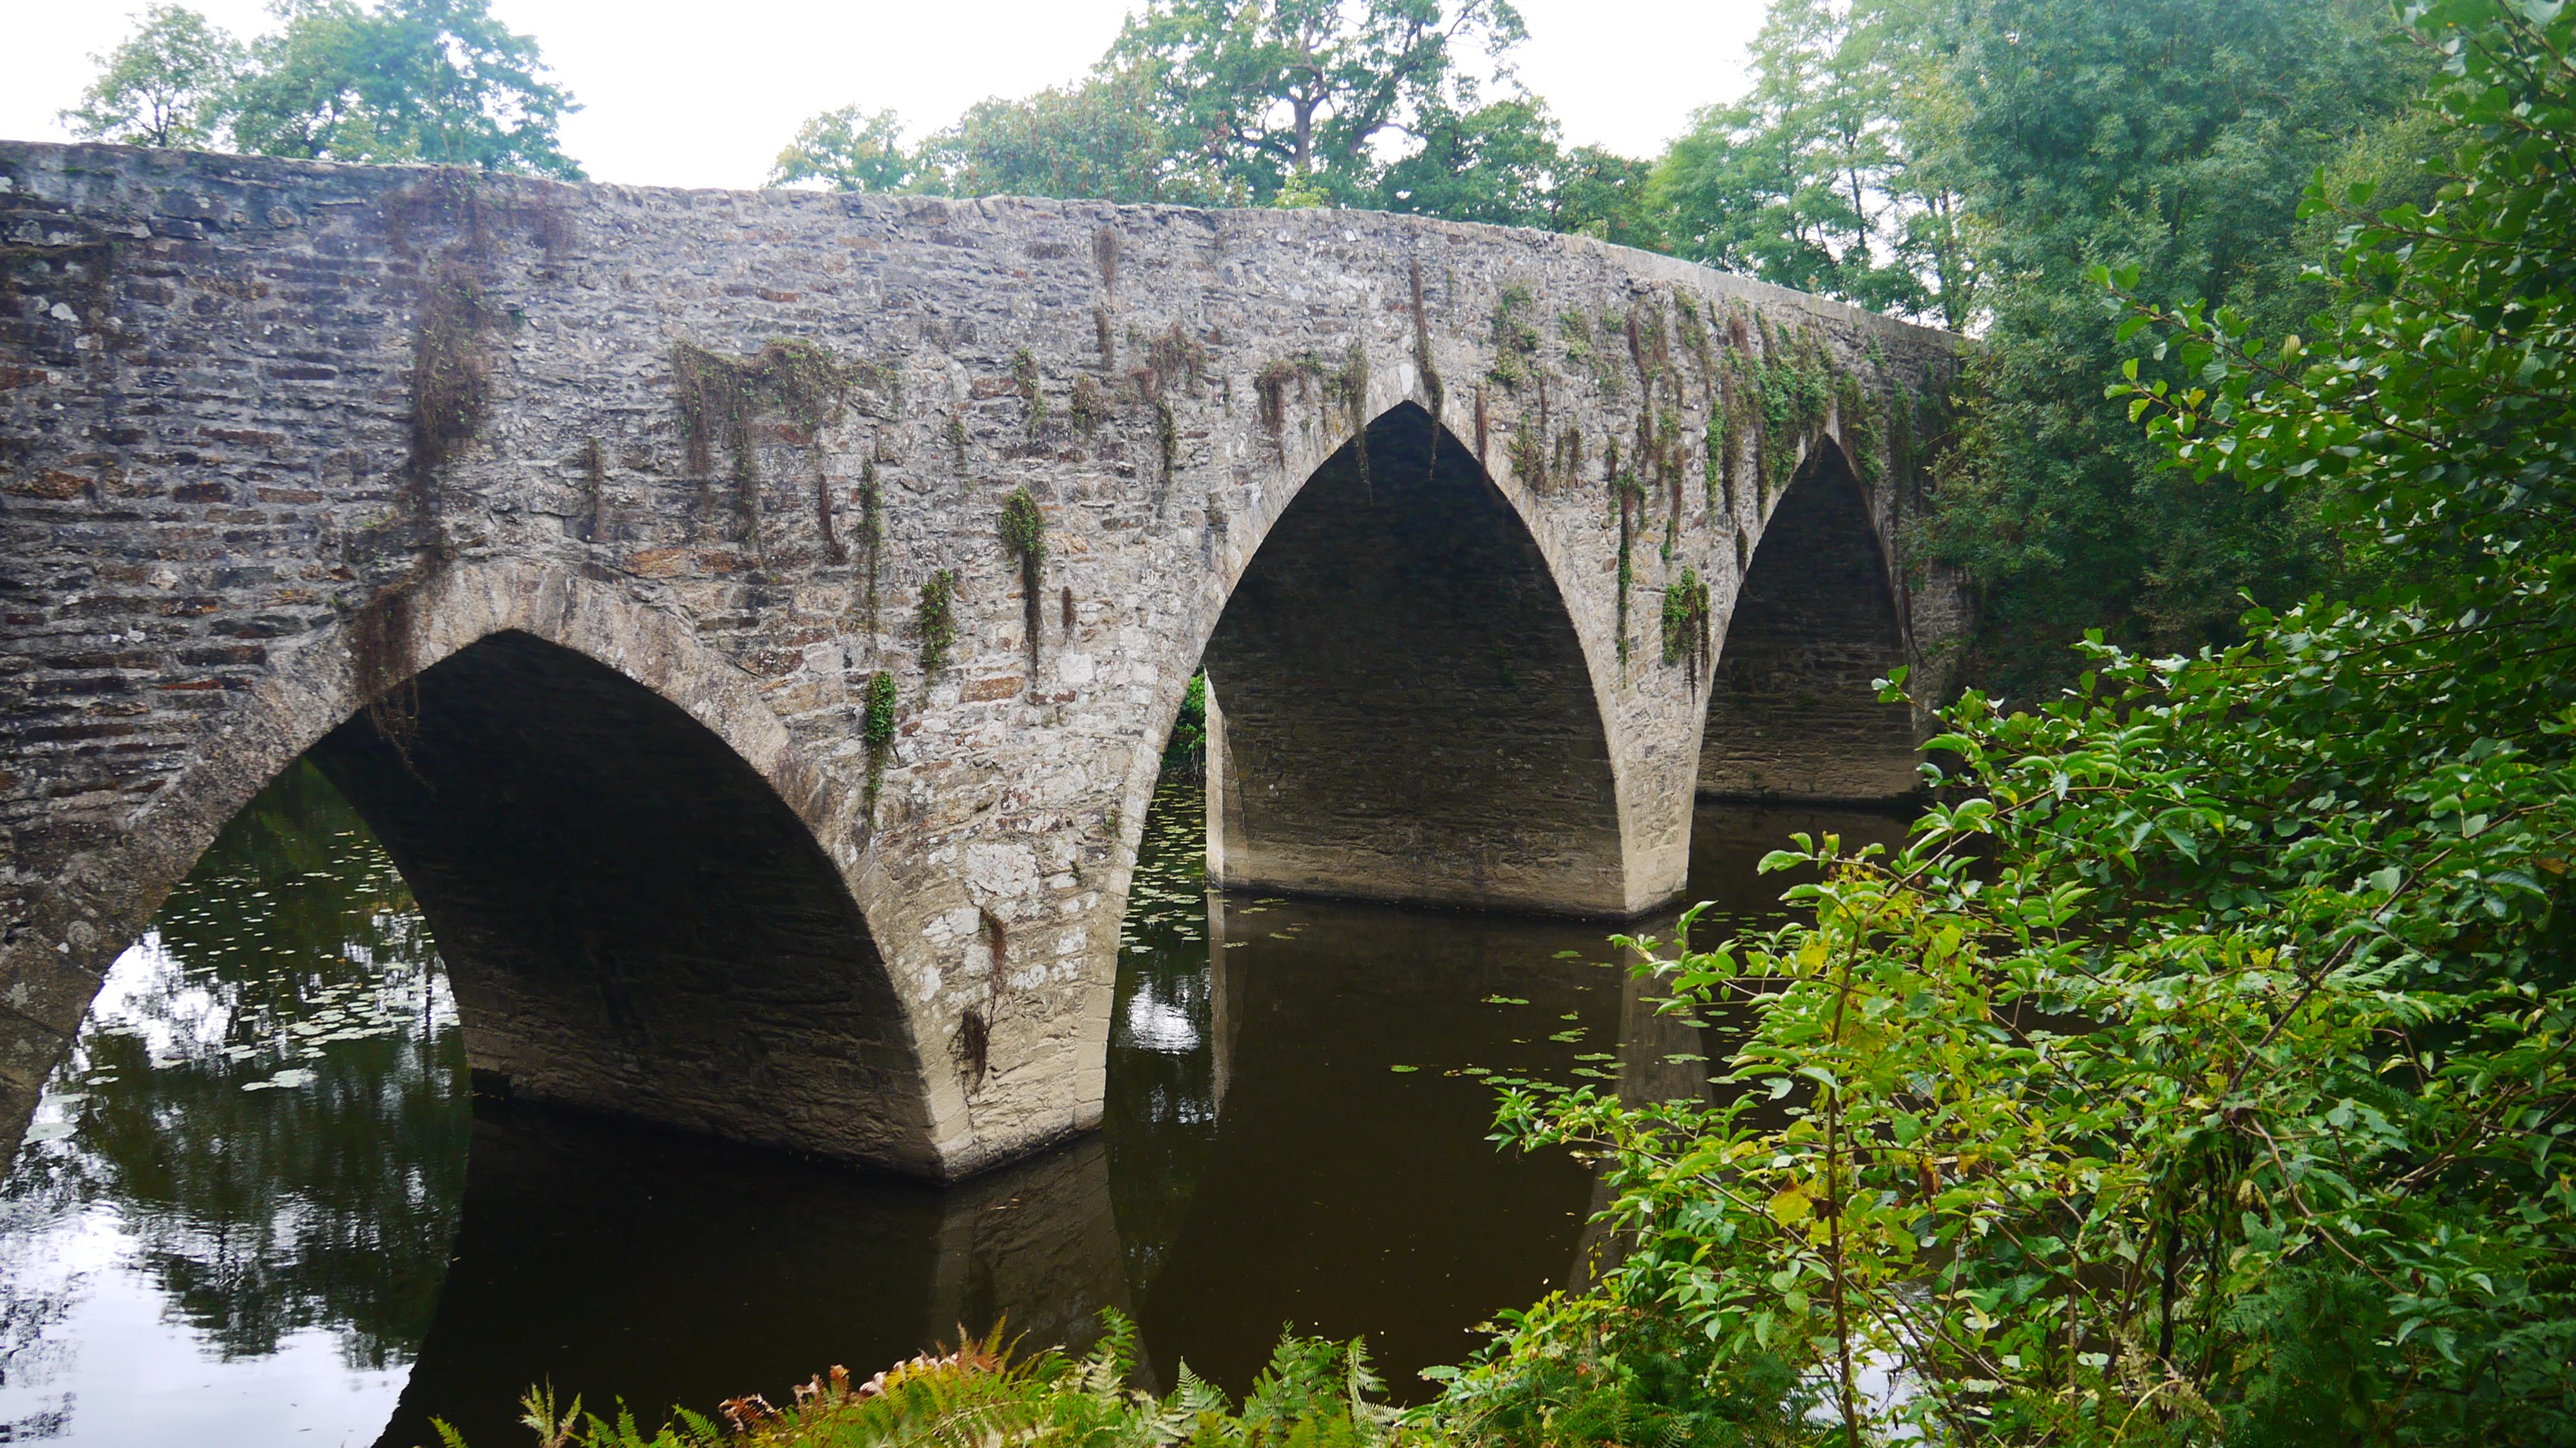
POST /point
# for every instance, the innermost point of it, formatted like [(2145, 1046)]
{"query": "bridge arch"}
[(1793, 712), (627, 863), (1401, 706)]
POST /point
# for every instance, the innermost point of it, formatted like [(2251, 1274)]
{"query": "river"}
[(259, 1206)]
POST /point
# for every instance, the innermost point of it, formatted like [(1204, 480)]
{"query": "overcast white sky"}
[(704, 92)]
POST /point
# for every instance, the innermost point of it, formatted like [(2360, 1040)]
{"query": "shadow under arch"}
[(1792, 710), (813, 1021), (633, 922), (1399, 705)]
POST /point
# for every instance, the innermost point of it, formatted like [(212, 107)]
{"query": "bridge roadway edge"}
[(211, 471)]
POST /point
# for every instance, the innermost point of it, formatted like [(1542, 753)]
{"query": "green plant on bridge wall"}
[(1516, 339), (871, 534), (1526, 450), (1687, 624), (1090, 406), (1717, 478), (1024, 377), (937, 622), (877, 719), (1346, 387), (721, 397), (1024, 538), (1628, 495)]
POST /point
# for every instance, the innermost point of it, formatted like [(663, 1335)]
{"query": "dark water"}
[(259, 1208)]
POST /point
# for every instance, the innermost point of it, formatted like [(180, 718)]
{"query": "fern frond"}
[(1197, 1395), (553, 1429)]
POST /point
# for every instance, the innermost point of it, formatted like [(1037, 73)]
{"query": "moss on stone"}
[(937, 622)]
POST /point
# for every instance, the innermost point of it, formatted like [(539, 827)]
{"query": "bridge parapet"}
[(278, 438)]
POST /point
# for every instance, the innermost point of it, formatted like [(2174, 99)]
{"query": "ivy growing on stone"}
[(1024, 376), (938, 622), (871, 533), (1687, 624), (1628, 495), (1024, 538), (1090, 405), (1528, 454), (719, 398), (877, 718)]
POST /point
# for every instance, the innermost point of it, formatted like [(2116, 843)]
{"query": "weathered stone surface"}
[(276, 439)]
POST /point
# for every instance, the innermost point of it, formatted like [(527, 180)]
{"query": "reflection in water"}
[(234, 1207), (244, 1190)]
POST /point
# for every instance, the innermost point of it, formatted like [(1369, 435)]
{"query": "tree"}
[(2172, 134), (165, 85), (1304, 90), (1799, 182), (2200, 1071), (846, 150), (1497, 163), (438, 81), (1098, 139)]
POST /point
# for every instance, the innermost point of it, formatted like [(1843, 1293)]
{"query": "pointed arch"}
[(1400, 706), (627, 864), (1793, 708)]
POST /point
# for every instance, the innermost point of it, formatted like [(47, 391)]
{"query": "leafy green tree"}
[(1496, 163), (1098, 139), (439, 81), (1801, 181), (846, 150), (1269, 91), (2171, 134), (2200, 1071), (1600, 193), (165, 85)]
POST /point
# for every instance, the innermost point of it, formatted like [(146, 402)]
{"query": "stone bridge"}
[(752, 621)]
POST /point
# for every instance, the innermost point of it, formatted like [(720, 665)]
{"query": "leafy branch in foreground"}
[(2200, 1070)]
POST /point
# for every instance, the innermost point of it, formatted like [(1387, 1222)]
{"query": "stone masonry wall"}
[(276, 436)]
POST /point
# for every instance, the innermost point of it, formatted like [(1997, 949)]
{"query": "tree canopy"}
[(436, 81)]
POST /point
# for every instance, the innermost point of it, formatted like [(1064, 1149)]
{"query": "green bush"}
[(1314, 1394), (2201, 1071), (1185, 749)]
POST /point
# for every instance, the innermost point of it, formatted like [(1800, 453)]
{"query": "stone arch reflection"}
[(265, 1113)]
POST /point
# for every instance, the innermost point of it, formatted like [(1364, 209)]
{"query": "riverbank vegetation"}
[(2200, 1071)]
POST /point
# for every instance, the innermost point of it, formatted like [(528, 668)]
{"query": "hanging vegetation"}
[(1515, 339), (1024, 538), (720, 397), (871, 534), (1687, 624), (877, 718), (938, 622), (1024, 377)]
